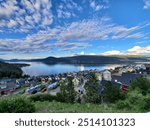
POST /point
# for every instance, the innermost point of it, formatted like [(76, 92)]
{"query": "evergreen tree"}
[(92, 88), (67, 92)]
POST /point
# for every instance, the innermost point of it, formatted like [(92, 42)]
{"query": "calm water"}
[(36, 69)]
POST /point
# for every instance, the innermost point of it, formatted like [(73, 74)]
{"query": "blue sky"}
[(41, 28)]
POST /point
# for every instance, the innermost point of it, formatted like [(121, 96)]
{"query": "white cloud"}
[(123, 32), (82, 53), (136, 50), (146, 4), (136, 35), (7, 8), (40, 42), (25, 15), (113, 52), (73, 36), (92, 54), (67, 9), (98, 5), (11, 23), (95, 6), (98, 29)]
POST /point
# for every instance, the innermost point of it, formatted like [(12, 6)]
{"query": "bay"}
[(38, 68)]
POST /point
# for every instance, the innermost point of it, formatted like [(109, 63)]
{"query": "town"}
[(120, 76)]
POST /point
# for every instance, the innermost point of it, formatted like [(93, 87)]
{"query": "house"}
[(147, 69), (140, 66), (7, 88), (125, 78), (44, 80), (121, 86), (107, 75)]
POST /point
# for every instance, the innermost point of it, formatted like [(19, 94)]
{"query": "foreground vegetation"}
[(16, 105), (58, 107), (24, 104)]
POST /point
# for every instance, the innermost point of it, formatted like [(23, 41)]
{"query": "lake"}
[(37, 68)]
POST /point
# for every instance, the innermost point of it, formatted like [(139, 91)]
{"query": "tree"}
[(141, 84), (10, 70), (67, 92), (92, 88), (112, 93)]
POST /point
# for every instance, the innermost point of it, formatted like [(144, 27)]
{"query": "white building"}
[(107, 75)]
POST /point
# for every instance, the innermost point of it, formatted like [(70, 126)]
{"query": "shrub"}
[(42, 97), (141, 84), (60, 98), (16, 105), (145, 106), (135, 97), (123, 104), (47, 97), (135, 101)]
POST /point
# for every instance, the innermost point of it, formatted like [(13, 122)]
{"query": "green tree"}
[(10, 70), (112, 93), (141, 84), (92, 88), (67, 92)]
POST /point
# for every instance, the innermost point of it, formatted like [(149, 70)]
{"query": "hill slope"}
[(88, 59), (10, 70)]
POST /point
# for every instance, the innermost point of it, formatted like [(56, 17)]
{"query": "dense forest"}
[(10, 70)]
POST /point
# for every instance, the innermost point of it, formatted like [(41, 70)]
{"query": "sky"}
[(42, 28)]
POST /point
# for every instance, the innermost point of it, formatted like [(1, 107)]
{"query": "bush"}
[(16, 105), (123, 105), (141, 84), (60, 97), (135, 97), (135, 101), (42, 97), (146, 104)]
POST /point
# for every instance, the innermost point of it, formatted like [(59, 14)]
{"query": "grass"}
[(57, 107)]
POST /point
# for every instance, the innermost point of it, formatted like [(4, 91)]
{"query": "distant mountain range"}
[(87, 59)]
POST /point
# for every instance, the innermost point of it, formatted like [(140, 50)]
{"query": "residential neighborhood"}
[(120, 76)]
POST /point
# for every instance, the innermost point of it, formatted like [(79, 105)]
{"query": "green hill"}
[(10, 70), (92, 59)]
